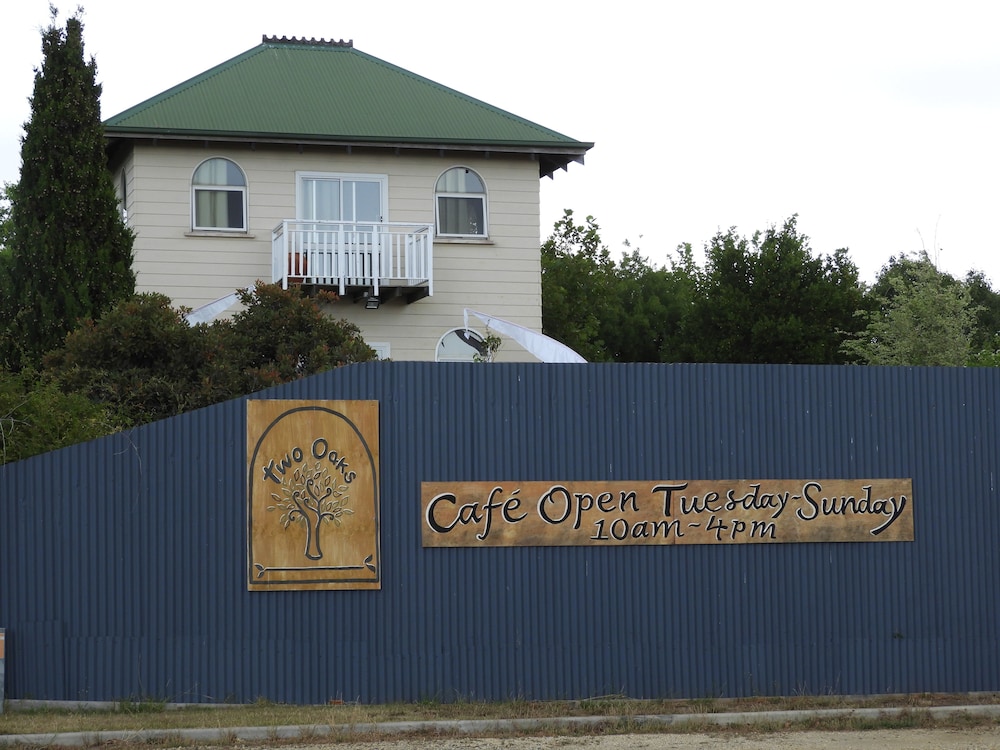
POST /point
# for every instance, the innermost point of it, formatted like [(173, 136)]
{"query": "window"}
[(219, 196), (342, 197), (460, 345), (460, 198)]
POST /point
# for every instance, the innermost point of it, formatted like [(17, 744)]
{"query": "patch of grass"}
[(141, 706), (621, 714), (707, 705), (172, 739), (605, 704), (308, 734)]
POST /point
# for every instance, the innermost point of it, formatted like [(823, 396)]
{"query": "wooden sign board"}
[(511, 514), (312, 495)]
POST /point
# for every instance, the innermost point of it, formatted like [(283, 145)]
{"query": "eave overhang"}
[(550, 157)]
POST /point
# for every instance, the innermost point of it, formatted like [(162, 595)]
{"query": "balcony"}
[(386, 259)]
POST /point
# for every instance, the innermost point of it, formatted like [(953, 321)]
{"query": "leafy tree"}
[(577, 286), (920, 317), (988, 356), (282, 335), (608, 311), (35, 416), (986, 307), (5, 228), (651, 305), (8, 307), (770, 300), (71, 253), (143, 362), (766, 299)]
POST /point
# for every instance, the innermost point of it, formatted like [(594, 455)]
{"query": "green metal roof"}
[(309, 90)]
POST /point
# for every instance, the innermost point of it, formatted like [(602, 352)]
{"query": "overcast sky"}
[(878, 123)]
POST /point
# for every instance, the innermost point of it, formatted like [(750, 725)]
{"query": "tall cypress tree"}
[(71, 253)]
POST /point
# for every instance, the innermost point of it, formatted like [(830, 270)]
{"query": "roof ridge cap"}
[(314, 42)]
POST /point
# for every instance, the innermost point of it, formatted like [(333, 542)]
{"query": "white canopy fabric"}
[(208, 312), (545, 348)]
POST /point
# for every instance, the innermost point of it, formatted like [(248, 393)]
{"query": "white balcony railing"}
[(347, 254)]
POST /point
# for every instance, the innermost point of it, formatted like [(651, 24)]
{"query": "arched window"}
[(460, 198), (219, 196), (460, 345)]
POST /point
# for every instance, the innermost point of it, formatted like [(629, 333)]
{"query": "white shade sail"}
[(545, 348), (208, 312)]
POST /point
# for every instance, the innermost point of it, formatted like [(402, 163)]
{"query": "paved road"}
[(881, 739), (582, 732)]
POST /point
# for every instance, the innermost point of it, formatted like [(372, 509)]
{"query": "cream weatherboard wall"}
[(500, 276)]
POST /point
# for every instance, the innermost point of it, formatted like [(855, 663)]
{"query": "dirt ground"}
[(879, 739)]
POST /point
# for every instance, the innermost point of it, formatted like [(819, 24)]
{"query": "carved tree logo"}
[(311, 497)]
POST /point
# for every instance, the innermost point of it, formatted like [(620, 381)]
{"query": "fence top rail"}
[(399, 227)]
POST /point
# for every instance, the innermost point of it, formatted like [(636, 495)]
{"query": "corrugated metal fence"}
[(123, 560)]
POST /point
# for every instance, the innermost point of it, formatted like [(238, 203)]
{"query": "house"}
[(311, 162)]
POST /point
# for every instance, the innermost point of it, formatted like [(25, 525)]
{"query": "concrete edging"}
[(310, 732)]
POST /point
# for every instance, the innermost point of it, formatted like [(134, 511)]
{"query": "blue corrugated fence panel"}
[(122, 560)]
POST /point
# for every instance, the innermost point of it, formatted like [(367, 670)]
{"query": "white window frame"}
[(482, 197), (244, 189), (300, 193), (382, 349)]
